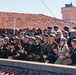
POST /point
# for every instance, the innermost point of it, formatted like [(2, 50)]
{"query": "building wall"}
[(69, 14)]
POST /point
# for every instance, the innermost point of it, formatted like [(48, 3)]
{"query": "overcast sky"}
[(35, 6)]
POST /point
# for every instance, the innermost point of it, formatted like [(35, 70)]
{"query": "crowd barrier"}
[(39, 67)]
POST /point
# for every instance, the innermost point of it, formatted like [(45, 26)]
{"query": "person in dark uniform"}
[(6, 52), (44, 48), (24, 49), (38, 48), (58, 37), (17, 45), (6, 41), (72, 35), (1, 47), (31, 49), (52, 49), (72, 53), (49, 29)]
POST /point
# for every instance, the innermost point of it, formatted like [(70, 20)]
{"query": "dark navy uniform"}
[(31, 49), (31, 52), (5, 53), (73, 55), (25, 47), (37, 52), (44, 51), (51, 54), (16, 47)]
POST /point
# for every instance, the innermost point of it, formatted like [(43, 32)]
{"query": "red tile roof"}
[(29, 20)]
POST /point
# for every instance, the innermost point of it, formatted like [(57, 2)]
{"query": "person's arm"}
[(55, 51), (68, 55)]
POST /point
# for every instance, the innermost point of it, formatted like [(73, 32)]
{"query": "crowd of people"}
[(50, 45)]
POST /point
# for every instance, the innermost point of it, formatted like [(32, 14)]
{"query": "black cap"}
[(49, 27), (4, 35), (56, 26), (66, 27), (74, 27)]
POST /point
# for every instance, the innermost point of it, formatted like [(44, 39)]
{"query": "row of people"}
[(39, 49)]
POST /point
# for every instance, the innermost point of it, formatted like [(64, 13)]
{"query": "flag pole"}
[(14, 28)]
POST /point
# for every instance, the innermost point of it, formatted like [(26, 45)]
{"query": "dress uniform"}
[(24, 49), (16, 47), (49, 29), (44, 47), (73, 53), (31, 49), (5, 53), (6, 40), (38, 48), (51, 48)]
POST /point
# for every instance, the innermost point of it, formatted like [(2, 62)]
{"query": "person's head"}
[(15, 39), (6, 39), (72, 33), (27, 29), (62, 41), (58, 34), (56, 27), (2, 40), (46, 38), (52, 38), (45, 31), (65, 34), (38, 39), (66, 28), (34, 30), (32, 40), (49, 28), (21, 34), (73, 42), (26, 39), (39, 31), (8, 46)]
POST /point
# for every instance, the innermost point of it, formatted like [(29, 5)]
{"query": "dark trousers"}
[(51, 58)]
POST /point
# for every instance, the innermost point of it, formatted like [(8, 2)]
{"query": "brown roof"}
[(29, 20)]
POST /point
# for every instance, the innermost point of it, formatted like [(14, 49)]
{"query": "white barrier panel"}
[(40, 66)]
